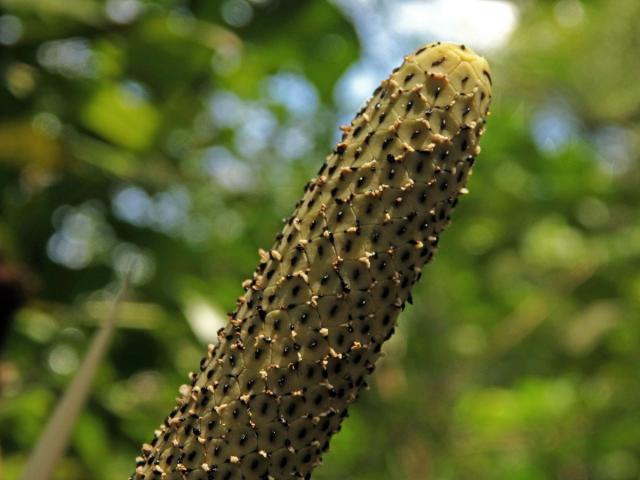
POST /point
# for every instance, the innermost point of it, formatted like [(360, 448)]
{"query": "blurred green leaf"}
[(122, 116)]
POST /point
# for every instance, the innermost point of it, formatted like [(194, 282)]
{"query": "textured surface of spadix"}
[(311, 324)]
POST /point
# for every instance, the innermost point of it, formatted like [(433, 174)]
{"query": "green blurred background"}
[(176, 135)]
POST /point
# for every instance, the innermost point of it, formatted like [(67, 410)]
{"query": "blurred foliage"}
[(173, 135)]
